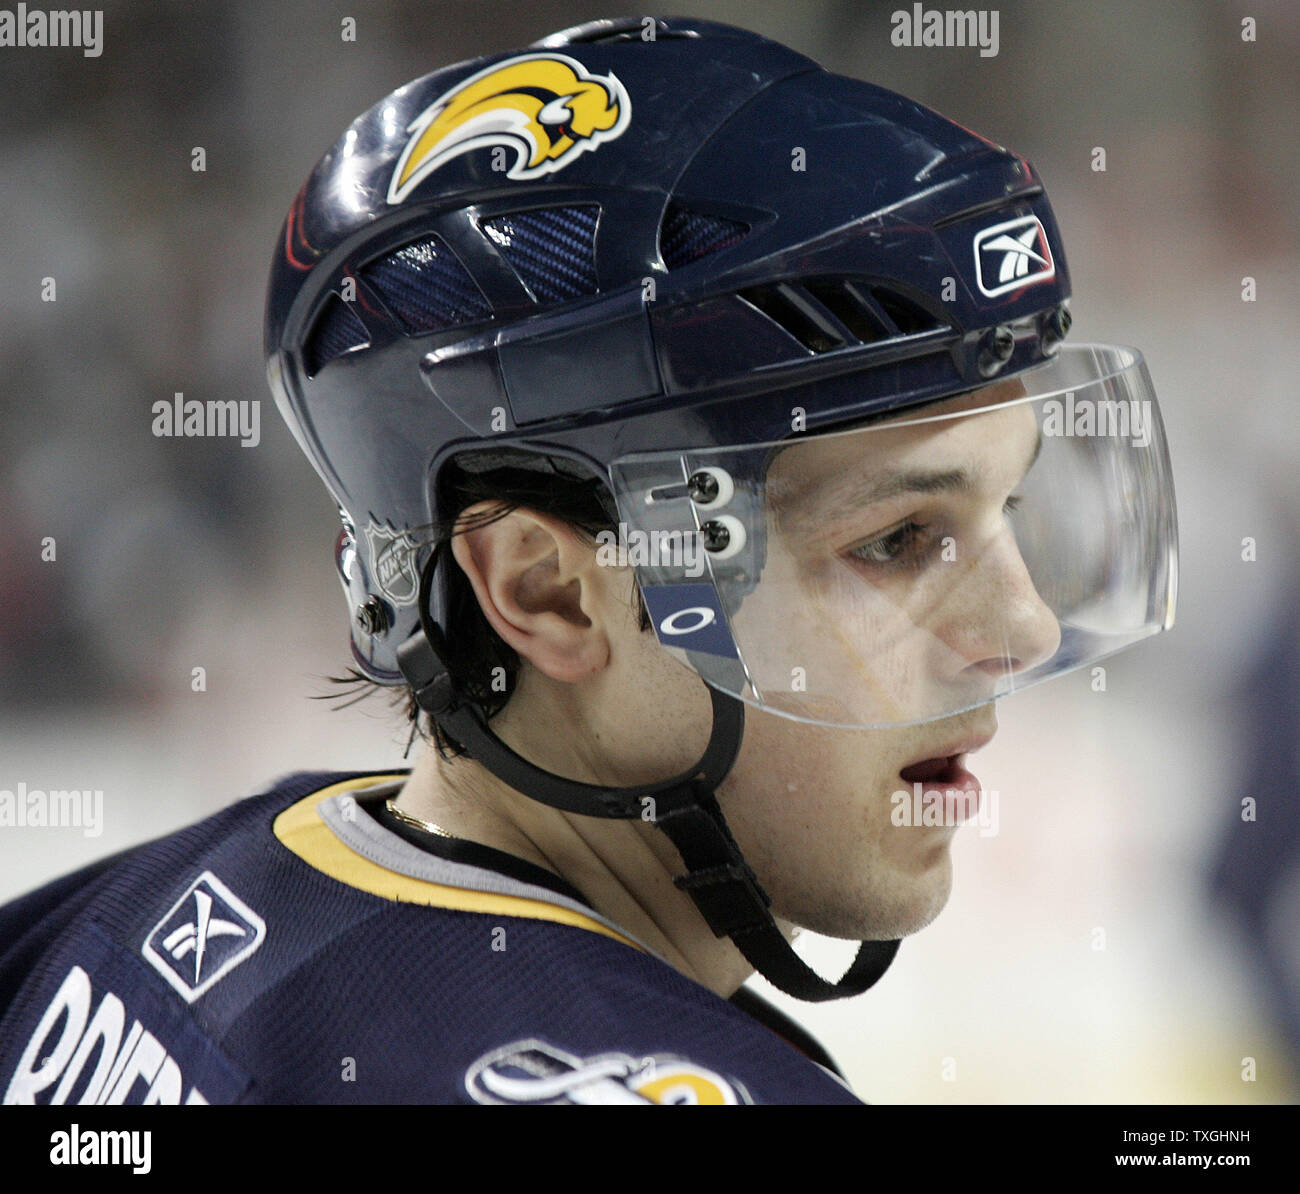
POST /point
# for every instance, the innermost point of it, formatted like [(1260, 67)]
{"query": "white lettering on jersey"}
[(122, 1061)]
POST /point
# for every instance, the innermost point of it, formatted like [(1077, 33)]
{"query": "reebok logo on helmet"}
[(1012, 254)]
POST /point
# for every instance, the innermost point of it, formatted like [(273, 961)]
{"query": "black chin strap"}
[(717, 878)]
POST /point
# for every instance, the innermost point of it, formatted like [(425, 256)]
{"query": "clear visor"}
[(915, 567)]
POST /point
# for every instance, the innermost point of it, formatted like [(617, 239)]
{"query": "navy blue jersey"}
[(298, 947)]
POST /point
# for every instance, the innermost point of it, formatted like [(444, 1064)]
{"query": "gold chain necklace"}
[(415, 822)]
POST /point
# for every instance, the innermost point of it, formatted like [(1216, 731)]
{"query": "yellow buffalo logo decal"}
[(545, 107)]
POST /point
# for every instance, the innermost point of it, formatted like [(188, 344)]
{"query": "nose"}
[(1008, 628)]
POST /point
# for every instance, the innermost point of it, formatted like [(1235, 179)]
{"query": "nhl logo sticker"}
[(392, 563)]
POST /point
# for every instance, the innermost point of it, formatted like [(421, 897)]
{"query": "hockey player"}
[(709, 461)]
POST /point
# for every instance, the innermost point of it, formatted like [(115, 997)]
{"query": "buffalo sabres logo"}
[(545, 107), (534, 1072)]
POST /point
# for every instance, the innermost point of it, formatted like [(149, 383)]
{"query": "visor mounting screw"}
[(371, 617), (995, 351), (1056, 326), (703, 487), (716, 536)]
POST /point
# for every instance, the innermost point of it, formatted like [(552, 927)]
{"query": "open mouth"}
[(945, 780), (943, 771), (947, 766)]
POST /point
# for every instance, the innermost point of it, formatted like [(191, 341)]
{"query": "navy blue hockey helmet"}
[(806, 332), (650, 251)]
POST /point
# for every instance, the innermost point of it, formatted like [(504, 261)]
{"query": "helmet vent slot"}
[(908, 316), (790, 309), (551, 250), (337, 330), (828, 313), (426, 287), (848, 304), (686, 235)]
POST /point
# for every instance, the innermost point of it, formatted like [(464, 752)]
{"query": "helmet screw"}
[(996, 350), (1056, 326), (716, 535), (371, 617), (703, 487)]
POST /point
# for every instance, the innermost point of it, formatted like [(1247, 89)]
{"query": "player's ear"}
[(538, 584)]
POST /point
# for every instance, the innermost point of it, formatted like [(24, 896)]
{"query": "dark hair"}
[(485, 667)]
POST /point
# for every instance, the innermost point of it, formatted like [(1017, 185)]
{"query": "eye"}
[(1012, 504), (896, 543)]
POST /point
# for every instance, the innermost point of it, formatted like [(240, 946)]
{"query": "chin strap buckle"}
[(719, 880), (728, 896)]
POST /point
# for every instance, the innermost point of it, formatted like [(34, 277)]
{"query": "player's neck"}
[(624, 868)]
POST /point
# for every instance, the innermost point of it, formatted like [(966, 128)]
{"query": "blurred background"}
[(1124, 937)]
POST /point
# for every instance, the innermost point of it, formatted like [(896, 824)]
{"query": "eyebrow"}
[(880, 489), (955, 480)]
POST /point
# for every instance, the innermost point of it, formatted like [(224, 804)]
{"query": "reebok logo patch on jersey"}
[(206, 934), (532, 1071), (1012, 254)]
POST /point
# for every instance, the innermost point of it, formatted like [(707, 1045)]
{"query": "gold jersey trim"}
[(301, 830)]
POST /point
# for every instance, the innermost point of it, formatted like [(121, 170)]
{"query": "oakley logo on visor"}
[(688, 616), (1011, 255), (687, 621)]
